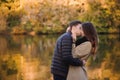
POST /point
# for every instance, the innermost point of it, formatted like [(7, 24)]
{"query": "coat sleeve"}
[(66, 46), (82, 50)]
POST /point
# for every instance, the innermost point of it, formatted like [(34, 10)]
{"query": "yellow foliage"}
[(18, 30)]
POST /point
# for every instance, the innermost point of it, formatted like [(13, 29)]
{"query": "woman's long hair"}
[(91, 34)]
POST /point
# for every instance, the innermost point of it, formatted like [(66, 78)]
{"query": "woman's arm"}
[(82, 50)]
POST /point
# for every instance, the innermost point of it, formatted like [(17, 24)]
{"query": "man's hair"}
[(74, 23)]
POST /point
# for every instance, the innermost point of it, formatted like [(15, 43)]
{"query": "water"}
[(29, 58)]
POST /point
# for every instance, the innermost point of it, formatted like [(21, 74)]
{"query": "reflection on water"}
[(26, 57), (106, 65), (29, 58)]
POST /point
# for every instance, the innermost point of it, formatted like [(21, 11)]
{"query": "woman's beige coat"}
[(82, 52)]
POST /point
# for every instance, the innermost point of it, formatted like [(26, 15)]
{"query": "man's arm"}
[(67, 52)]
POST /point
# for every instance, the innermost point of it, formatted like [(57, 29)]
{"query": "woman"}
[(82, 49)]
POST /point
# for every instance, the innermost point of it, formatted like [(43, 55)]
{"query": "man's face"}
[(79, 30)]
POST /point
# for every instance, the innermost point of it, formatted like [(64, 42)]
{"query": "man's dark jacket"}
[(62, 57)]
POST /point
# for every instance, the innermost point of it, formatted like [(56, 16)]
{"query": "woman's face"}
[(81, 30)]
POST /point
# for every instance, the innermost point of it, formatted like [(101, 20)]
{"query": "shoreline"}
[(33, 33)]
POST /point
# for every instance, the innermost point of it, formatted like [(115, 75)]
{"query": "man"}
[(62, 57)]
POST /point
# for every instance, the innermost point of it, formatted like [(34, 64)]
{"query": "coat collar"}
[(80, 40)]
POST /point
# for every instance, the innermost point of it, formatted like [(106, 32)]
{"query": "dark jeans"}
[(57, 77)]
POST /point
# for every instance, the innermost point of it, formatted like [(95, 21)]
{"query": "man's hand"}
[(84, 62)]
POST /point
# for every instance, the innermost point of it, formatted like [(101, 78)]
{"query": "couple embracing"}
[(71, 53)]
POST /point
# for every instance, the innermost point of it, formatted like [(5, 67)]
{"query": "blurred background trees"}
[(46, 16)]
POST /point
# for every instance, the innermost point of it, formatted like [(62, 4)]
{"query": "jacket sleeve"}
[(66, 46)]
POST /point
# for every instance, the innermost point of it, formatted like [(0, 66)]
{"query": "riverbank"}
[(32, 33), (50, 30)]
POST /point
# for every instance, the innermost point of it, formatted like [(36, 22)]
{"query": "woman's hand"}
[(68, 29), (74, 37)]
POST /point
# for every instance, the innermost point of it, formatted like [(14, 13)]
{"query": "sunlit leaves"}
[(107, 13), (46, 14)]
